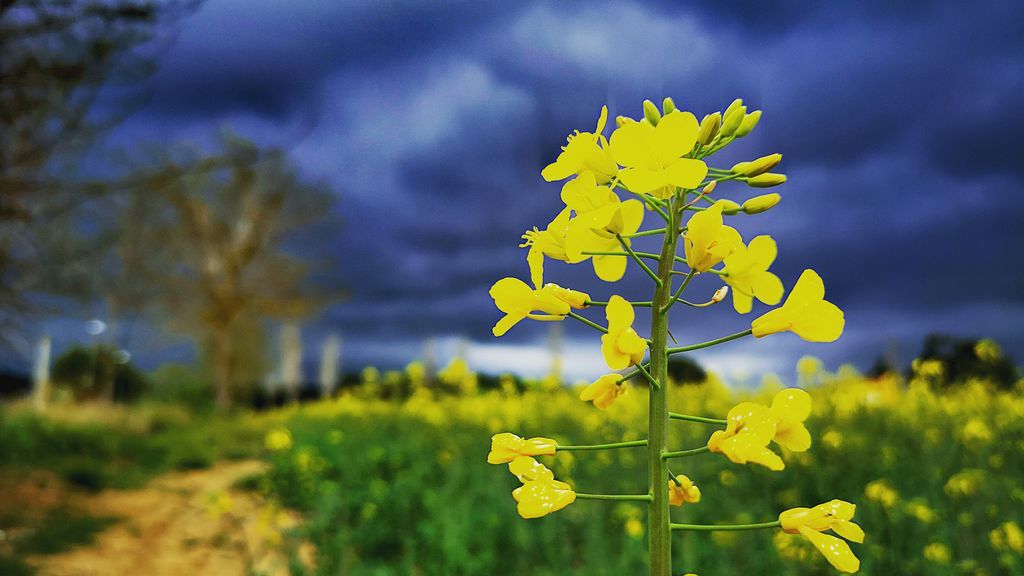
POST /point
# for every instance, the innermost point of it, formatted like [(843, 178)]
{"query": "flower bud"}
[(732, 120), (741, 168), (710, 187), (761, 203), (748, 123), (651, 112), (766, 180), (759, 166), (729, 207), (709, 128), (736, 104), (667, 105), (621, 121), (720, 294)]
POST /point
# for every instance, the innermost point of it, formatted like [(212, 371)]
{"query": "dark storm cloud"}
[(271, 57), (898, 121)]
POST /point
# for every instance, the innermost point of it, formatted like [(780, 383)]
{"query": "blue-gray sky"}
[(900, 124)]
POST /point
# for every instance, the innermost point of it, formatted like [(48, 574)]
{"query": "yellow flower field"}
[(404, 488)]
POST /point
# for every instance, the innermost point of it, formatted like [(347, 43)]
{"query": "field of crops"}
[(404, 488), (400, 487)]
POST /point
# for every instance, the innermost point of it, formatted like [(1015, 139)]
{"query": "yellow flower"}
[(707, 241), (918, 509), (749, 430), (805, 312), (528, 470), (746, 271), (751, 427), (543, 496), (278, 439), (937, 552), (836, 516), (604, 391), (584, 151), (976, 431), (682, 491), (652, 155), (634, 528), (882, 492), (790, 408), (808, 366), (549, 242), (621, 346), (595, 231), (987, 350), (583, 194), (518, 301), (1008, 536), (505, 447)]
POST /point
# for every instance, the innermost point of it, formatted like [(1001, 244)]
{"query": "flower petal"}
[(791, 404), (821, 322), (675, 136), (685, 173), (836, 551), (631, 145)]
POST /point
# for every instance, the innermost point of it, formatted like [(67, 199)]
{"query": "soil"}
[(185, 523)]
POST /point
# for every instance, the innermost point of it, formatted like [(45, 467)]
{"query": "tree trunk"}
[(330, 355), (291, 360), (222, 356), (41, 375)]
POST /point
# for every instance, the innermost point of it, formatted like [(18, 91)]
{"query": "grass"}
[(57, 530), (112, 447)]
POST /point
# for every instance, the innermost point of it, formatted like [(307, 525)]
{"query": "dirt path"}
[(187, 523)]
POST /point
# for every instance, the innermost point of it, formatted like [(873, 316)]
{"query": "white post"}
[(41, 375), (330, 364), (291, 359)]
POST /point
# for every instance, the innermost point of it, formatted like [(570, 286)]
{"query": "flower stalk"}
[(659, 544), (725, 527)]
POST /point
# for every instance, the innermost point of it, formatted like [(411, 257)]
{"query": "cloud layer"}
[(899, 126)]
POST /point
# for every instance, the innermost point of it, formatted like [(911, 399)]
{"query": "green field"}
[(387, 487)]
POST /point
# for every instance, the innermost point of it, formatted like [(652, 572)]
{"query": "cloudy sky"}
[(900, 124)]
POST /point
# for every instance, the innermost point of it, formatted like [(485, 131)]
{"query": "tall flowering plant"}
[(658, 166)]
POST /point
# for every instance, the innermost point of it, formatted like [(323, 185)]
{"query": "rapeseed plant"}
[(659, 163)]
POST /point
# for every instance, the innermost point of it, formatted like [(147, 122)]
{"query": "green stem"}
[(701, 419), (654, 232), (684, 453), (625, 246), (653, 204), (650, 379), (710, 342), (725, 527), (611, 446), (644, 304), (634, 372), (647, 255), (659, 543), (593, 325), (679, 292), (627, 497)]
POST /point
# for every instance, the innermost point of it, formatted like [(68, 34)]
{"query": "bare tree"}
[(58, 56), (210, 247)]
